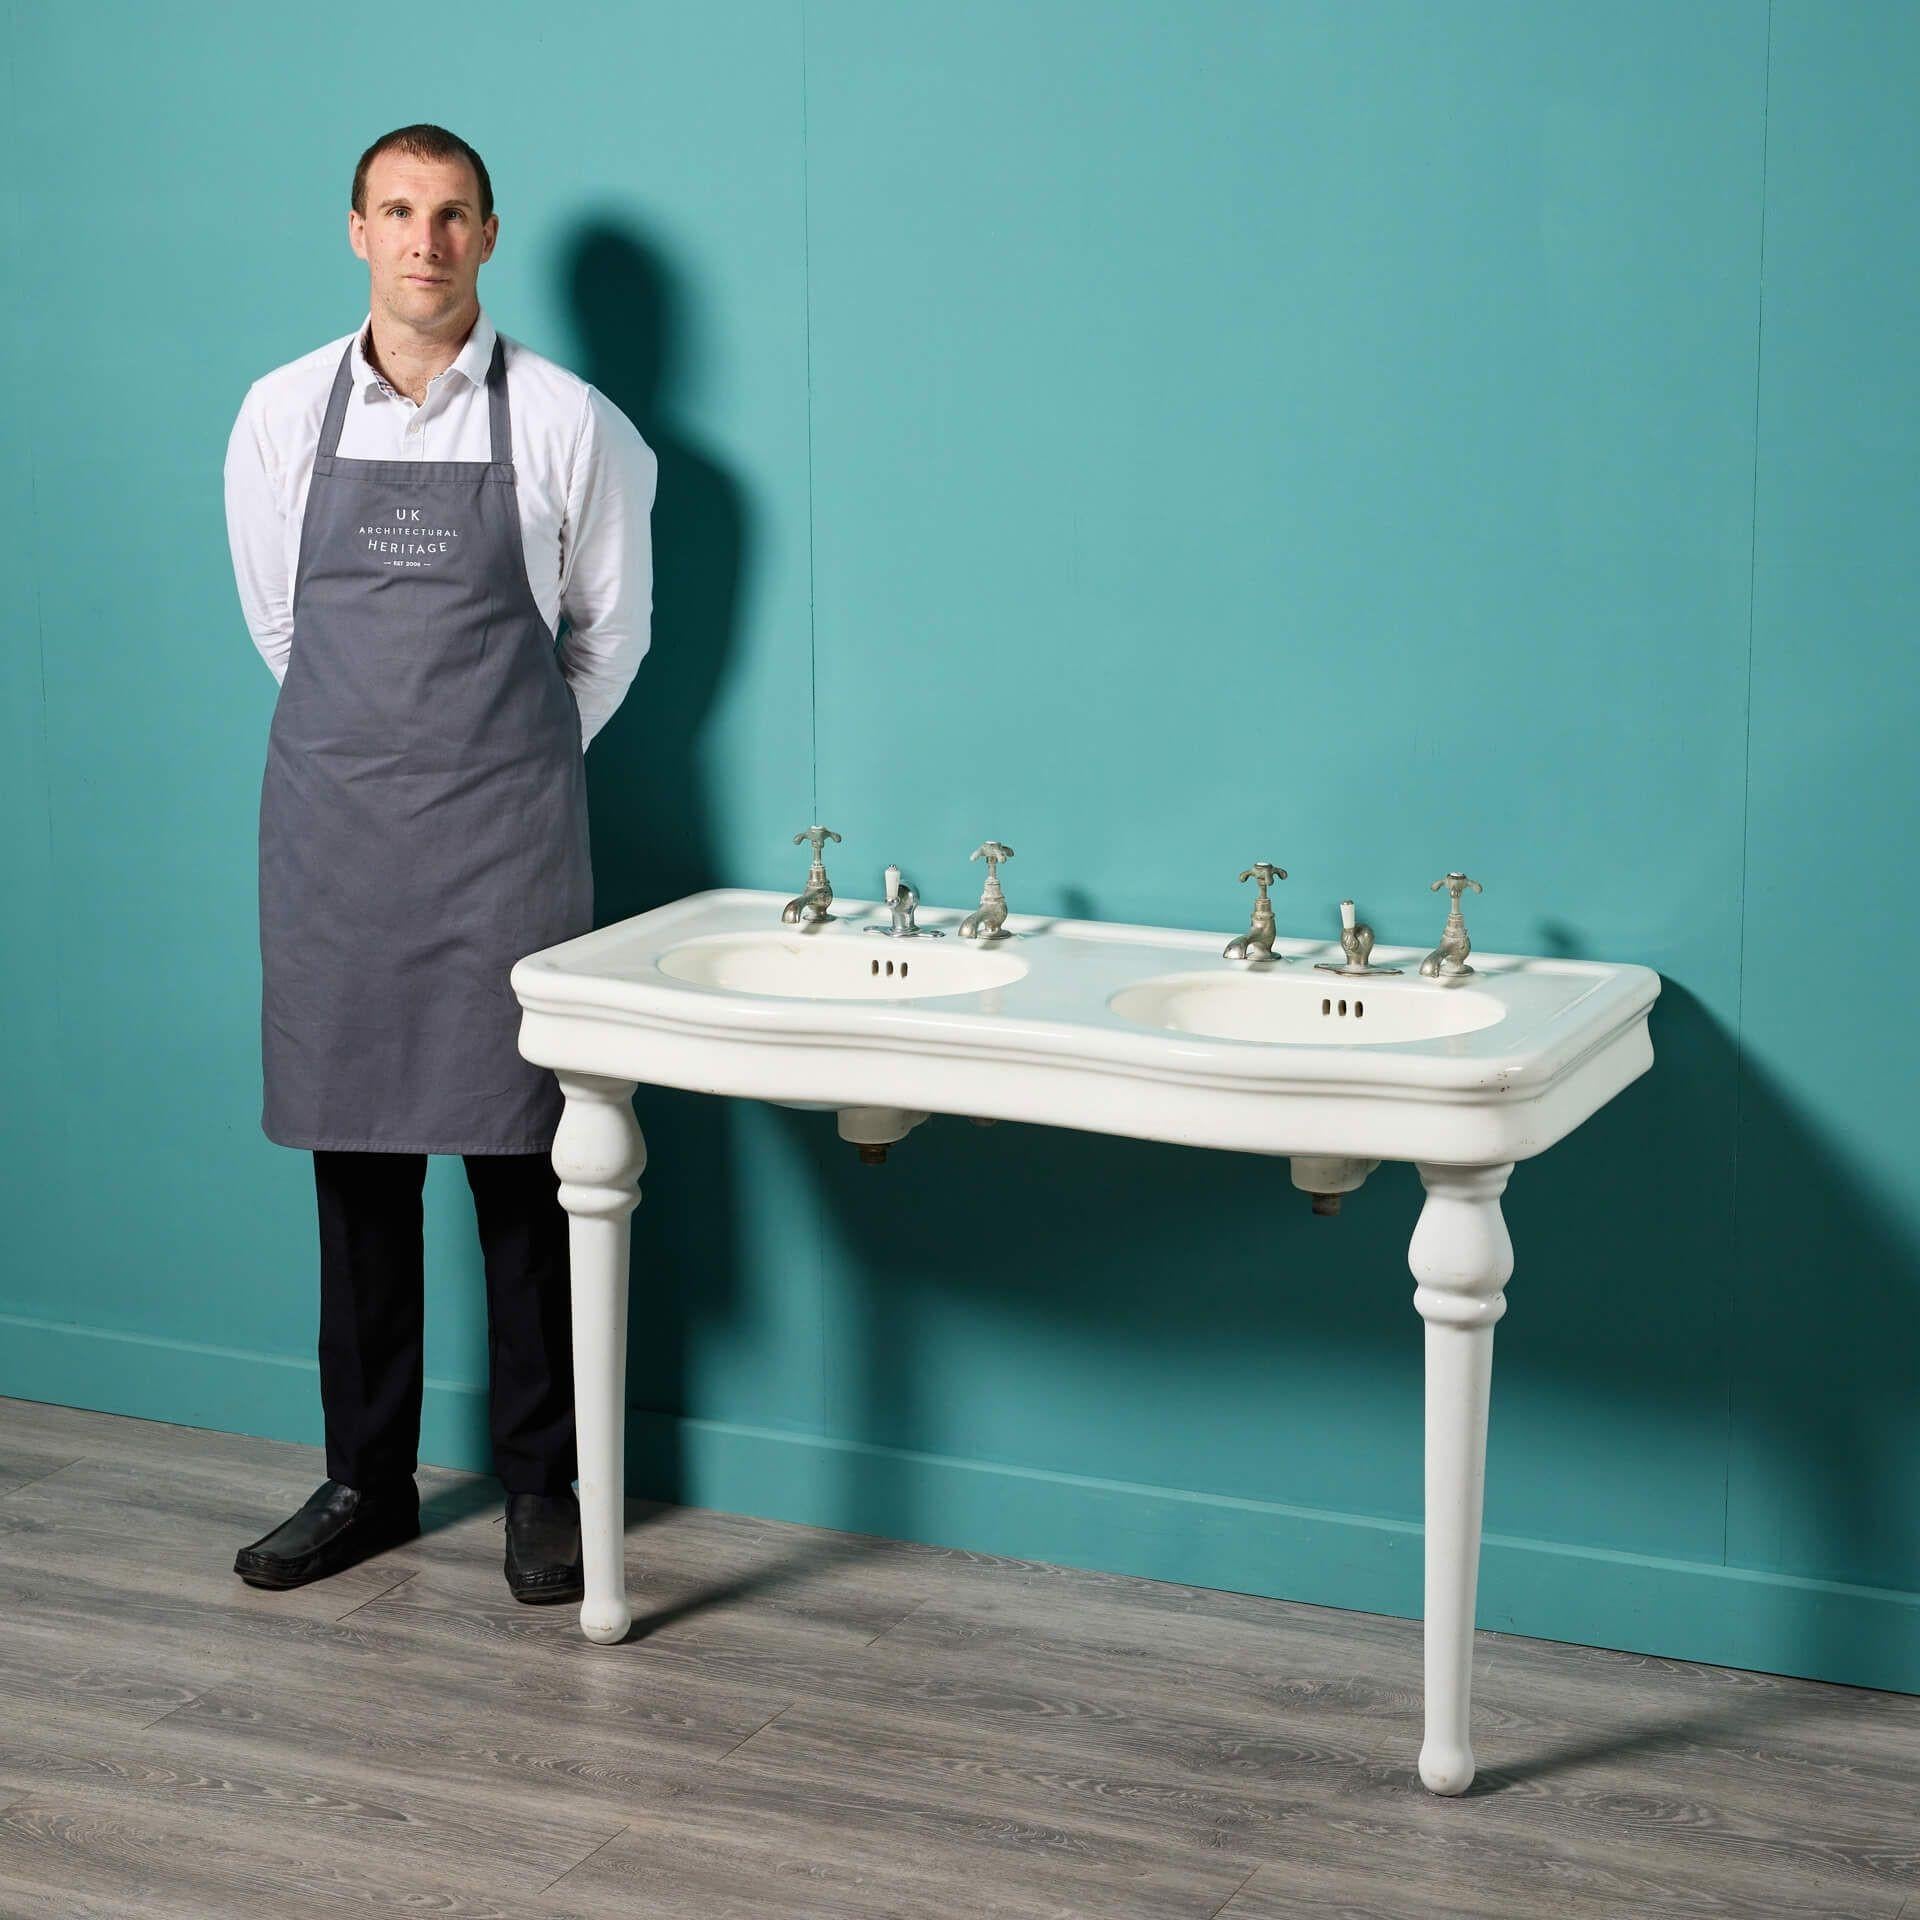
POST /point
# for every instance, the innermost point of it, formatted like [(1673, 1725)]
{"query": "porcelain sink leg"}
[(599, 1153), (1462, 1258)]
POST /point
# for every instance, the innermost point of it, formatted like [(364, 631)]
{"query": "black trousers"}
[(372, 1286)]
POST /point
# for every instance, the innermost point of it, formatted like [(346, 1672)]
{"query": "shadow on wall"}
[(1825, 1301), (652, 841), (1634, 1302), (1636, 1294), (1183, 1275)]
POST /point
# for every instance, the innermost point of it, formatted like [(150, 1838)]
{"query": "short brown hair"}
[(423, 142)]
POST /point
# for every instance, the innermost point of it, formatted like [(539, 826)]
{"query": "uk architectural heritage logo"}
[(405, 542)]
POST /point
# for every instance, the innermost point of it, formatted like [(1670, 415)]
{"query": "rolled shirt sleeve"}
[(606, 592), (256, 536)]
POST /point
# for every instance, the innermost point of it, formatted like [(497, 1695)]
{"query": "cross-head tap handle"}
[(818, 835), (992, 852), (1266, 873), (1453, 882)]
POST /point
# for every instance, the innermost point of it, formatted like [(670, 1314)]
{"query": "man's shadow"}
[(652, 840), (651, 837)]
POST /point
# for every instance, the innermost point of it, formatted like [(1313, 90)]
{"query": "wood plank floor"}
[(822, 1726)]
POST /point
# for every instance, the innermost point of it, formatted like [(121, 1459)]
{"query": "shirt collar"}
[(472, 360)]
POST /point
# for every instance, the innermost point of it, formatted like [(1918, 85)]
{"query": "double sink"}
[(1146, 1031), (1109, 1027)]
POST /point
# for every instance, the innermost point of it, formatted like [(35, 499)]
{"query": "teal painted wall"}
[(1376, 439)]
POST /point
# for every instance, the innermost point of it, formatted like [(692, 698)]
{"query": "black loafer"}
[(543, 1547), (337, 1528)]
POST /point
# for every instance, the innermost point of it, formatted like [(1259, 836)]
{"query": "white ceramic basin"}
[(804, 964), (1147, 1031), (1297, 1009), (1138, 1030)]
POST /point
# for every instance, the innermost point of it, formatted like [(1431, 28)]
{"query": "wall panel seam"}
[(1728, 1290), (806, 281)]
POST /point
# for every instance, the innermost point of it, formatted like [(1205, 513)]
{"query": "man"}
[(413, 508)]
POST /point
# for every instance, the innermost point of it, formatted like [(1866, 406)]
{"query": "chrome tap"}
[(1257, 942), (989, 919), (812, 905), (902, 898), (1448, 961)]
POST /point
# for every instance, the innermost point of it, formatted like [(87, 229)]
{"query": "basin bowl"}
[(803, 966), (1151, 1032), (1296, 1010)]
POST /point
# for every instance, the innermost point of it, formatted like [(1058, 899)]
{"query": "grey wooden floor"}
[(814, 1724)]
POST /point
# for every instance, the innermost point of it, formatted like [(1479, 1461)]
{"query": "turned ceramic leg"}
[(1462, 1258), (599, 1153)]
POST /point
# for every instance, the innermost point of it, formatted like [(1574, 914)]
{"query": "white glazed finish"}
[(1047, 1047), (1296, 1009), (1462, 1258), (797, 963), (599, 1154), (1572, 1035)]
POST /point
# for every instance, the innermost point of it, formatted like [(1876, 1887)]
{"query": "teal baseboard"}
[(1591, 1596)]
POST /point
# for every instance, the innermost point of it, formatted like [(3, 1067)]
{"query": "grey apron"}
[(423, 814)]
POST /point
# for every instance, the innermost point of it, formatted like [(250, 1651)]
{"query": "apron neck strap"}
[(499, 417), (337, 405)]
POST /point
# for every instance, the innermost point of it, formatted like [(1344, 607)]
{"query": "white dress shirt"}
[(584, 483)]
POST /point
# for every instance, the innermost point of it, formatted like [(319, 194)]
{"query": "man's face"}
[(422, 238)]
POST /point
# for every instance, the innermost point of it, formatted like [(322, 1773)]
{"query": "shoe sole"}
[(322, 1566)]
